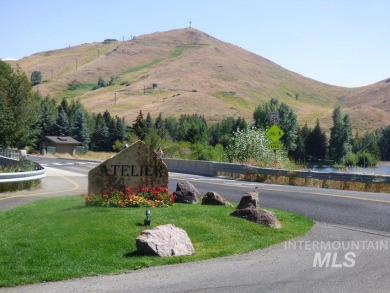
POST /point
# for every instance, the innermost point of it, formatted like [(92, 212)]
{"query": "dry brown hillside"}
[(197, 73)]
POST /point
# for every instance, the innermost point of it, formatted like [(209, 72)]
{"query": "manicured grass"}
[(61, 238)]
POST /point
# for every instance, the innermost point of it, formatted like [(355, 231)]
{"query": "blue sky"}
[(340, 42)]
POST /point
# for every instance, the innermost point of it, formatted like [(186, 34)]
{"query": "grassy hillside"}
[(196, 73)]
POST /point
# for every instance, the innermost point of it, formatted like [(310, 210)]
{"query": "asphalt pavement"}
[(330, 258)]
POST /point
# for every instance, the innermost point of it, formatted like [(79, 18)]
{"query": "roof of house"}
[(62, 139)]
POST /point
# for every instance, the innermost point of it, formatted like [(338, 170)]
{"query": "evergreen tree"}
[(36, 77), (159, 125), (171, 126), (222, 132), (299, 154), (340, 136), (192, 128), (47, 113), (140, 127), (65, 106), (110, 123), (80, 129), (315, 143), (72, 109), (149, 121), (101, 136), (120, 129), (62, 123), (240, 124), (384, 143)]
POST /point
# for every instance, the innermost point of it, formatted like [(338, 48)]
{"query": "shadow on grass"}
[(135, 253), (132, 254)]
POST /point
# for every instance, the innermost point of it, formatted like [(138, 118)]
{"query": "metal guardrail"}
[(206, 168), (22, 176), (12, 157)]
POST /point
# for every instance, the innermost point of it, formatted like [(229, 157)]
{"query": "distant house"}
[(58, 144)]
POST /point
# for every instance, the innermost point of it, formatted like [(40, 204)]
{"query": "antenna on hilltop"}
[(190, 24)]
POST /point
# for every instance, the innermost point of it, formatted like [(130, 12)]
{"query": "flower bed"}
[(144, 197)]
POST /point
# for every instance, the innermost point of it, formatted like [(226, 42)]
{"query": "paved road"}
[(299, 267)]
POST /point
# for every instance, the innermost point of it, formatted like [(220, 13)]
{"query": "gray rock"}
[(213, 198), (250, 210), (186, 193), (164, 240), (257, 215), (250, 199)]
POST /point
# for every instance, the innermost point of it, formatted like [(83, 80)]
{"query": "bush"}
[(36, 77), (74, 85), (365, 159), (351, 159)]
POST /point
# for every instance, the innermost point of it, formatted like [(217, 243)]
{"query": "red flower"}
[(143, 189), (129, 190)]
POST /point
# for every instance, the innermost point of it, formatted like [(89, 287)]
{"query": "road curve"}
[(343, 219)]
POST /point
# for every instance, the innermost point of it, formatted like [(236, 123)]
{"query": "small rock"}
[(213, 198)]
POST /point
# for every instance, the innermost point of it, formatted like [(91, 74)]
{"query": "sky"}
[(339, 42)]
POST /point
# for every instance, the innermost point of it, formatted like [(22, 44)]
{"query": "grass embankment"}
[(61, 238)]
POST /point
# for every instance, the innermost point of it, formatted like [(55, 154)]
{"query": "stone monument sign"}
[(135, 166)]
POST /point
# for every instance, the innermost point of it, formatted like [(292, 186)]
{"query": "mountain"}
[(186, 71)]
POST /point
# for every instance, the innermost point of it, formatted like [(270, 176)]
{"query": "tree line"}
[(26, 117)]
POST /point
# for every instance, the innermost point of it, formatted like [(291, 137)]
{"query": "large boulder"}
[(186, 193), (164, 240), (250, 210), (213, 198), (250, 199), (258, 215)]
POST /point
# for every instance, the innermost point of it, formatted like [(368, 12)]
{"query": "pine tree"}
[(340, 136), (36, 77), (47, 117), (120, 129), (140, 127), (384, 143), (159, 125), (62, 123), (101, 136), (80, 129), (149, 121), (171, 126), (315, 143)]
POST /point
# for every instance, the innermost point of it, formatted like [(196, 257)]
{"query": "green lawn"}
[(61, 238)]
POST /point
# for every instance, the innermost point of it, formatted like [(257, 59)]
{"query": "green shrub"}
[(366, 159)]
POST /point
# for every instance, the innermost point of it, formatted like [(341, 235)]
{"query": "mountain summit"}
[(186, 71)]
